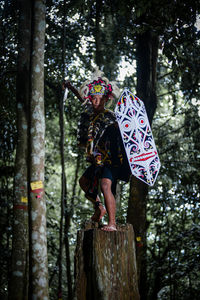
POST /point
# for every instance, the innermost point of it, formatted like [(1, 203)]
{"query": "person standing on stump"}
[(104, 149)]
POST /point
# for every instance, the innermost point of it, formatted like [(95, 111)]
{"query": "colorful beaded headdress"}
[(99, 85)]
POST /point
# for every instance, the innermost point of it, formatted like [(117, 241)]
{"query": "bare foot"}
[(111, 227), (98, 214)]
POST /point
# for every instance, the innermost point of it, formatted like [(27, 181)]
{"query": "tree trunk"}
[(146, 56), (63, 196), (98, 53), (105, 265), (18, 285), (147, 52), (38, 242), (64, 210)]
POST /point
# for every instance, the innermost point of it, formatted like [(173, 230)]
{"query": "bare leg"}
[(110, 204), (99, 209)]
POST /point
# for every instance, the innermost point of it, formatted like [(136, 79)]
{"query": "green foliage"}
[(173, 207), (7, 134)]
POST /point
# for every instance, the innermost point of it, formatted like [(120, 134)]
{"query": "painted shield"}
[(137, 137)]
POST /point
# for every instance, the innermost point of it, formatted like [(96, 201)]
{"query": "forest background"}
[(153, 48)]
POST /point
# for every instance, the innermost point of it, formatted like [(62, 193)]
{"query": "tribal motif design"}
[(99, 87), (137, 137)]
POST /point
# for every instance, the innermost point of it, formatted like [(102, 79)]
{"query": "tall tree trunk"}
[(67, 252), (18, 286), (64, 208), (65, 213), (98, 53), (146, 55), (38, 241), (75, 180), (62, 156), (68, 215), (63, 195)]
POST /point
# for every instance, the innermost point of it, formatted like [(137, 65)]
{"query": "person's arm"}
[(67, 84)]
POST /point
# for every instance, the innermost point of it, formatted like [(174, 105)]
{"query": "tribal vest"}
[(104, 140)]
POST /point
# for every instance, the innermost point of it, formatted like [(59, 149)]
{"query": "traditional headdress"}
[(99, 85)]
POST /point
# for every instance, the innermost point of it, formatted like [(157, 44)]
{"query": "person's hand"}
[(67, 84)]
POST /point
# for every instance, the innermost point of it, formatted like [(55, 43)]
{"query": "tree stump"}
[(105, 264)]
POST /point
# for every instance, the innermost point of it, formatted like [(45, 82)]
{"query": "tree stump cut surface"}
[(105, 265)]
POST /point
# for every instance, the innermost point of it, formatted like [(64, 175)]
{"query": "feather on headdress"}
[(98, 84)]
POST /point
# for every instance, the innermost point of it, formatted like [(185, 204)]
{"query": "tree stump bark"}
[(105, 264)]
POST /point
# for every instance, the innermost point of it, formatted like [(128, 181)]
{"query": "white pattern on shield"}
[(137, 137)]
